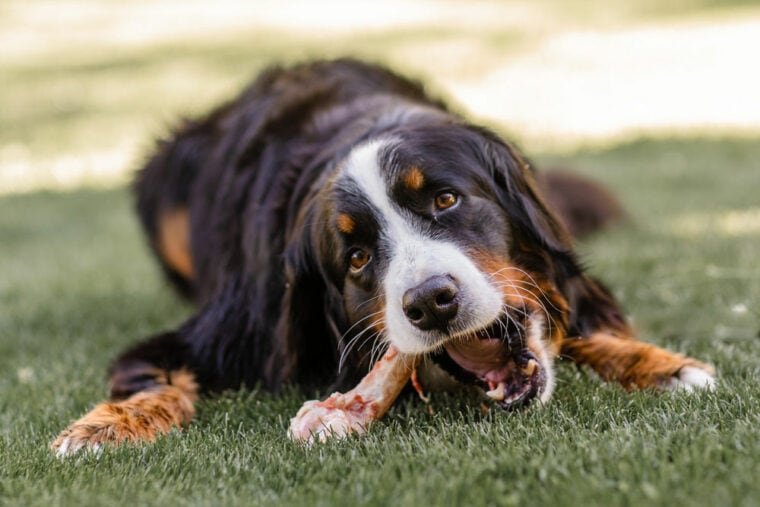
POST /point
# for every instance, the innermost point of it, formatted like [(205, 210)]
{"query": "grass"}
[(77, 285)]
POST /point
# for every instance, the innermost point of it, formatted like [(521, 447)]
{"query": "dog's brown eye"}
[(359, 259), (446, 200)]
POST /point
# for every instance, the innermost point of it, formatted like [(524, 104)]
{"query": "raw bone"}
[(343, 414)]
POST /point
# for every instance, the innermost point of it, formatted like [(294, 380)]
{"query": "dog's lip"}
[(483, 357), (484, 352), (511, 372)]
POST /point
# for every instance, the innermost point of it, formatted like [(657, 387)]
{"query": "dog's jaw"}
[(513, 371)]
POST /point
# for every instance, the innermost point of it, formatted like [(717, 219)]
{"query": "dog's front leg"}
[(155, 383), (602, 339), (167, 403), (635, 364), (352, 412)]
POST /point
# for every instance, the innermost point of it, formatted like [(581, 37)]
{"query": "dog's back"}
[(189, 165)]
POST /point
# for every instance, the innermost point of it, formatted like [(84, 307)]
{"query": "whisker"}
[(346, 351), (373, 314), (368, 301), (379, 347), (532, 281), (534, 299)]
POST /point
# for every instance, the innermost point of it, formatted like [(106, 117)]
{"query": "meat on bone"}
[(352, 412)]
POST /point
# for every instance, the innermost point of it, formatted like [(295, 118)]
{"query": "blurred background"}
[(86, 85)]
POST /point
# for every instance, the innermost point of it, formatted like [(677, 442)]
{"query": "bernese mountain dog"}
[(333, 214)]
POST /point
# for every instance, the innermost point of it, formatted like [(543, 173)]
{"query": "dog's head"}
[(433, 239)]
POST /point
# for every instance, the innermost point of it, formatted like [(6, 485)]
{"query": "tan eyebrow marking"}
[(346, 224), (414, 178)]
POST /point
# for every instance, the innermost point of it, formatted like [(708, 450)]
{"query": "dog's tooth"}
[(530, 367), (498, 393)]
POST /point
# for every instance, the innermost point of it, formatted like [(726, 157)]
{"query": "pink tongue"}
[(486, 359)]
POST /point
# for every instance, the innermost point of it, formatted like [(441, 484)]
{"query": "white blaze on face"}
[(415, 257)]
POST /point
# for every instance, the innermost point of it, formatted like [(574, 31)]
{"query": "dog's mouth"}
[(498, 360)]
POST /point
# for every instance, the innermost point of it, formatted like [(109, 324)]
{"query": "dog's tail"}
[(582, 204)]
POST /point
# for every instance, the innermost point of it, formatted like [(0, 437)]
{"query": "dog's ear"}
[(539, 237), (531, 220), (591, 306), (310, 311)]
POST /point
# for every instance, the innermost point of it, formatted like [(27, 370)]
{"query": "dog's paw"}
[(107, 423), (690, 378), (142, 417), (73, 439)]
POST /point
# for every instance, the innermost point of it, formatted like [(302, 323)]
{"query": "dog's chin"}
[(497, 359)]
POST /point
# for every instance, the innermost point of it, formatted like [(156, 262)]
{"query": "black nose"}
[(433, 303)]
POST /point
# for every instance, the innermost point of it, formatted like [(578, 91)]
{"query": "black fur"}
[(268, 280)]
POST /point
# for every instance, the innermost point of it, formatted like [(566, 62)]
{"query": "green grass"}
[(77, 285)]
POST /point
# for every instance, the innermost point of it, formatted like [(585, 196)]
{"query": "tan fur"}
[(346, 224), (631, 363), (414, 179), (174, 241), (141, 417), (531, 291)]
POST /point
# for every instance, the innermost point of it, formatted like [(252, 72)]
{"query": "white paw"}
[(70, 446), (690, 378)]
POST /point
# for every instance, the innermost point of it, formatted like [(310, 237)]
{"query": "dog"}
[(334, 208)]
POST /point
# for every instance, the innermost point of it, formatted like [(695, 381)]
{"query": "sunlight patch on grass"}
[(87, 85), (731, 223), (663, 78), (21, 172), (146, 22)]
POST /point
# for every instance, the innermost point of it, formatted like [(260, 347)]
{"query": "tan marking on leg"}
[(414, 179), (141, 417), (184, 381), (632, 363), (174, 241), (345, 223)]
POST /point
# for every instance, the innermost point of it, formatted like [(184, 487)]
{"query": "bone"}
[(342, 414)]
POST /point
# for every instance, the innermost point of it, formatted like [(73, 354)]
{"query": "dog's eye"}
[(446, 200), (358, 259)]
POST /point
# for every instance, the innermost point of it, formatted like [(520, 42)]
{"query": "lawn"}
[(77, 285)]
